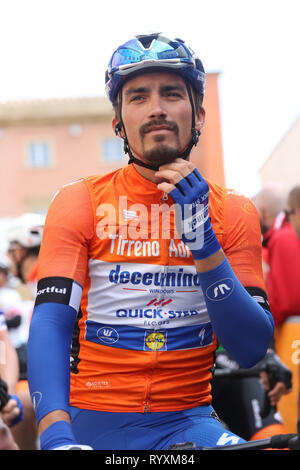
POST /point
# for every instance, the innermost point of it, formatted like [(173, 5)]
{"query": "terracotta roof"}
[(55, 110)]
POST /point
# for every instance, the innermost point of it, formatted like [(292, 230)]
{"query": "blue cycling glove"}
[(191, 196)]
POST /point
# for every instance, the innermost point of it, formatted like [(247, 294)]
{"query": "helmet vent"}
[(147, 40)]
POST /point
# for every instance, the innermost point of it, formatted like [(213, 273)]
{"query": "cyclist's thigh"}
[(202, 427)]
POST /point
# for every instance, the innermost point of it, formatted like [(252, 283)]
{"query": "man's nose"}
[(156, 108)]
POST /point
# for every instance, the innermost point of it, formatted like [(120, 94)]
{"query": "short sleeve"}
[(68, 229), (242, 241)]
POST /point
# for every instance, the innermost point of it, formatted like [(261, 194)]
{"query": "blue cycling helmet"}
[(153, 51)]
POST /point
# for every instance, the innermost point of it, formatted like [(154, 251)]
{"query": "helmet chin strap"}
[(193, 142)]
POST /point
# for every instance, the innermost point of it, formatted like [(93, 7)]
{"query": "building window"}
[(39, 155), (112, 150)]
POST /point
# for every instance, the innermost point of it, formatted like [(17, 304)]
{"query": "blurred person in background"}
[(283, 254), (282, 284), (11, 409), (24, 237), (15, 312), (293, 210), (270, 204)]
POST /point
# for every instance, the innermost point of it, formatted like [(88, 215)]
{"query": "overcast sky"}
[(60, 48)]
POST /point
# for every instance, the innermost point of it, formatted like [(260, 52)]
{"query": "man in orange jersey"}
[(152, 264)]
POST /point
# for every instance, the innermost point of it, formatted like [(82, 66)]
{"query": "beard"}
[(161, 152)]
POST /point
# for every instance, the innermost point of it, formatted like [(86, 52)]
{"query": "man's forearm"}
[(241, 325), (206, 264), (50, 418)]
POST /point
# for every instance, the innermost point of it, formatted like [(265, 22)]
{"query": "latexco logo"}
[(220, 290)]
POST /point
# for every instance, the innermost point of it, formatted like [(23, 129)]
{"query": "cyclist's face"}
[(157, 116)]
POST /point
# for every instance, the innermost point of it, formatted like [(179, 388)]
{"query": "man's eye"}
[(173, 94), (137, 98)]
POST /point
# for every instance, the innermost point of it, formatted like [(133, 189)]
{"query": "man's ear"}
[(117, 127), (200, 120)]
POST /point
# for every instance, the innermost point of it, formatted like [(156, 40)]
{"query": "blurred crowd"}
[(18, 270), (279, 214)]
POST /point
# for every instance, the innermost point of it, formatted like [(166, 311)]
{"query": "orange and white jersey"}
[(143, 339)]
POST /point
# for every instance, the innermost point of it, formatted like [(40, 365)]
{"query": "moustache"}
[(158, 123)]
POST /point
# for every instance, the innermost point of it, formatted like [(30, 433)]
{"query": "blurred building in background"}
[(283, 165), (45, 144)]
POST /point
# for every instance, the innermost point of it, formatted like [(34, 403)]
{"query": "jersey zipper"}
[(165, 269)]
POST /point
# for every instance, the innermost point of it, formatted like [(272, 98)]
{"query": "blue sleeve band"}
[(48, 360), (56, 435), (241, 325)]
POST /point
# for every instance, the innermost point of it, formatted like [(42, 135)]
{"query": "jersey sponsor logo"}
[(155, 341), (220, 290), (60, 290), (130, 215), (52, 289), (107, 335), (227, 439), (177, 278), (161, 302), (154, 313), (97, 384), (36, 398), (196, 220), (155, 338), (146, 248), (202, 335)]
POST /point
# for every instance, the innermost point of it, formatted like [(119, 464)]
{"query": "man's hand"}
[(276, 392), (190, 192), (275, 376), (11, 406), (12, 412)]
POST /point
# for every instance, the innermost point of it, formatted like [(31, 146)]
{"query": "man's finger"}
[(182, 167), (165, 187), (172, 176), (10, 405), (265, 380)]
